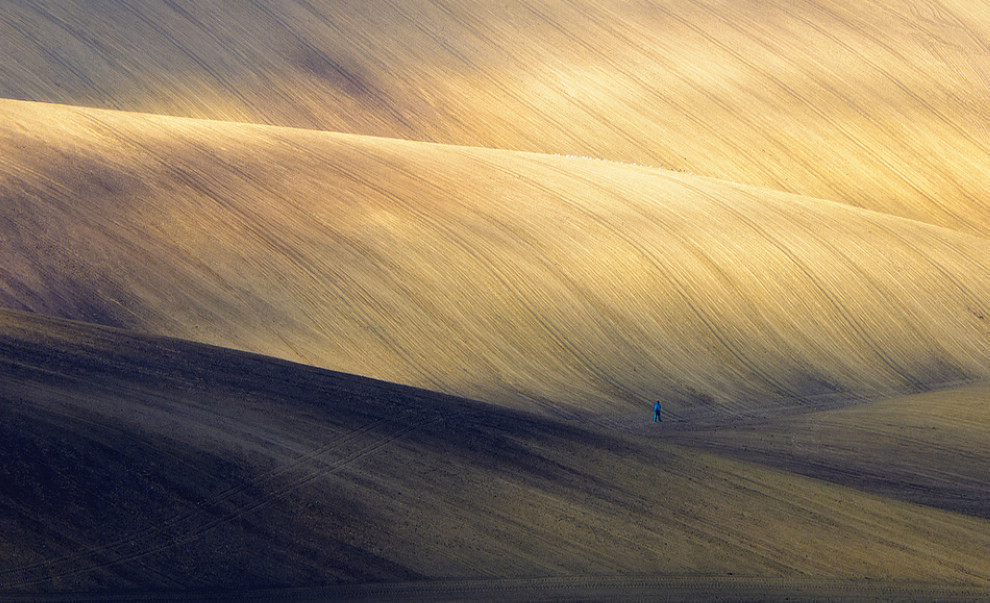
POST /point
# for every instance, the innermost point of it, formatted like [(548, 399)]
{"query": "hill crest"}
[(542, 281)]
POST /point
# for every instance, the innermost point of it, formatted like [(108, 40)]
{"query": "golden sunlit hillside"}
[(878, 104), (503, 276)]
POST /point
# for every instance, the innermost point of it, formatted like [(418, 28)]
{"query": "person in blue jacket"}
[(656, 413)]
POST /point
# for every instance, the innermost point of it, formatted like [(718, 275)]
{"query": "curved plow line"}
[(204, 506)]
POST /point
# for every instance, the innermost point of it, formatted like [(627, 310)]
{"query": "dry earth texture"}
[(929, 448), (503, 276), (785, 237), (880, 104), (133, 463)]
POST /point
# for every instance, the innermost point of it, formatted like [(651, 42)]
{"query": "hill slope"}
[(929, 448), (878, 104), (510, 277), (133, 462)]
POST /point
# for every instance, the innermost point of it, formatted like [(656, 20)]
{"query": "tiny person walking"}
[(656, 413)]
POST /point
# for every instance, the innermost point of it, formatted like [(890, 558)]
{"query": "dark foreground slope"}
[(133, 464), (930, 448)]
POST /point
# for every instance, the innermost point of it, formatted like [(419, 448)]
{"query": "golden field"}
[(880, 104)]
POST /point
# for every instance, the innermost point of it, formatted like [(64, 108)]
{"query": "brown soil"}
[(134, 464)]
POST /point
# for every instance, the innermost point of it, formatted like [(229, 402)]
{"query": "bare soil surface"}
[(134, 464), (879, 104), (531, 281), (930, 448), (579, 588), (520, 226)]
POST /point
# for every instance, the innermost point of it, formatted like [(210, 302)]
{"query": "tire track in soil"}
[(806, 270), (254, 225), (213, 506), (557, 335), (453, 236), (767, 41), (681, 286)]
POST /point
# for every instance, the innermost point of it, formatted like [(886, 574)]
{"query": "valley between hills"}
[(318, 300)]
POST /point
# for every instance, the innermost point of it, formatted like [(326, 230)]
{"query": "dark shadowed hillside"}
[(142, 463), (929, 448)]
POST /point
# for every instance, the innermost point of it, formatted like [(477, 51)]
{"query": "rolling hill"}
[(502, 276), (878, 104), (328, 299), (140, 464), (928, 448)]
